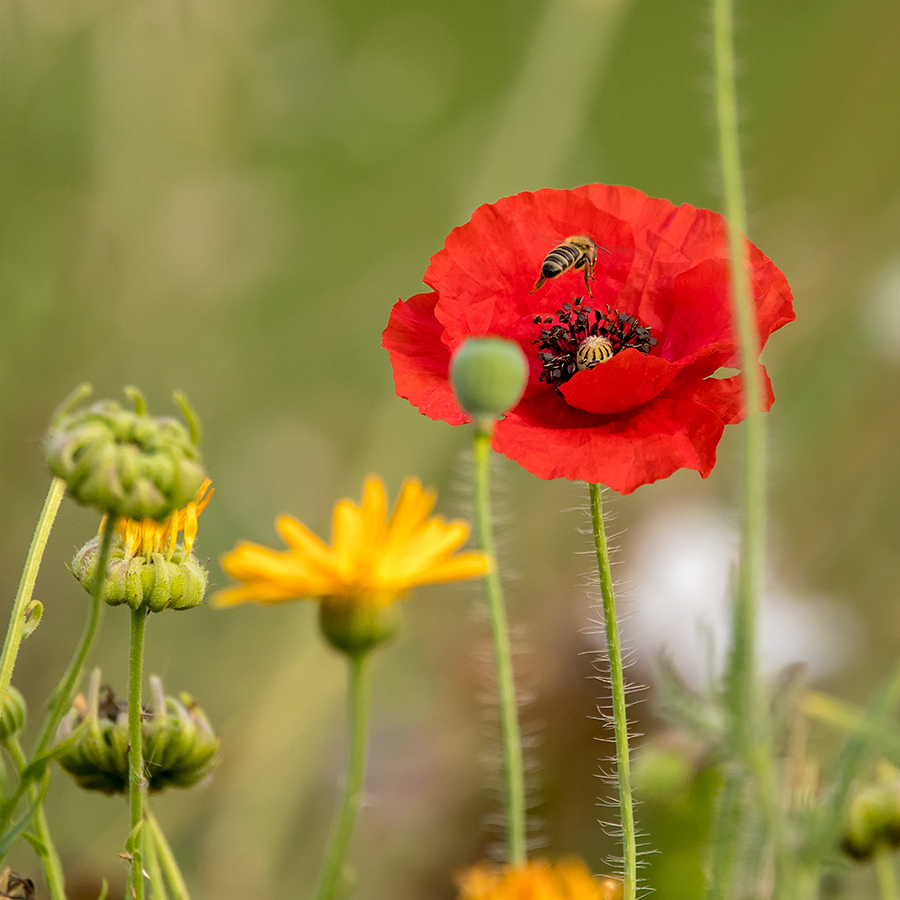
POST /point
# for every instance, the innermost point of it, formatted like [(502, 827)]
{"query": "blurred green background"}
[(228, 197)]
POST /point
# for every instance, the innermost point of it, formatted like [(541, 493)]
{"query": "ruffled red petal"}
[(623, 452), (627, 380), (420, 359)]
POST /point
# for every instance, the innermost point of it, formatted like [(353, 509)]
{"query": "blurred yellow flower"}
[(147, 536), (374, 559), (568, 879)]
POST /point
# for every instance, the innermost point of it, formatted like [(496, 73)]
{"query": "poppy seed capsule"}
[(158, 580), (124, 462), (179, 745), (12, 714), (488, 376)]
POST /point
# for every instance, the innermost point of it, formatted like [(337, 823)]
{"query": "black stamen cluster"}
[(558, 344)]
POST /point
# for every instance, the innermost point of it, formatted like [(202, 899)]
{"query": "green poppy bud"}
[(124, 462), (12, 714), (158, 580), (488, 376), (355, 628), (179, 745)]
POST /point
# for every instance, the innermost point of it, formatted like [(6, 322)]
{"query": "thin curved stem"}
[(26, 584), (166, 857), (506, 689), (61, 698), (137, 784), (617, 685), (44, 846), (331, 881), (64, 693)]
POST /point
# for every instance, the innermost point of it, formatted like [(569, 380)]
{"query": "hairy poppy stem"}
[(331, 884), (617, 684), (506, 689), (747, 736), (18, 616), (137, 784)]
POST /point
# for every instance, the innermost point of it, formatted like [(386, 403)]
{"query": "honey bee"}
[(576, 252)]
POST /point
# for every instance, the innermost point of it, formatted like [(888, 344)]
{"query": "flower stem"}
[(746, 735), (61, 698), (331, 882), (64, 692), (166, 857), (887, 875), (617, 684), (26, 584), (136, 782), (506, 690), (44, 846)]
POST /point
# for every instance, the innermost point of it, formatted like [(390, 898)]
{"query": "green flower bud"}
[(355, 628), (157, 580), (125, 463), (178, 743), (488, 376), (874, 821), (12, 714)]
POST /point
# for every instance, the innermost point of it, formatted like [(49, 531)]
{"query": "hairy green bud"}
[(488, 376), (158, 580), (179, 744), (124, 462)]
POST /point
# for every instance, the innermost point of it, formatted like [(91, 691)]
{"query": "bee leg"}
[(538, 284), (588, 276)]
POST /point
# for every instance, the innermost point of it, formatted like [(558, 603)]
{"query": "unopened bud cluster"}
[(179, 745), (160, 581), (124, 462)]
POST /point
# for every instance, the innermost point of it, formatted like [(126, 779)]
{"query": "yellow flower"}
[(147, 536), (373, 560), (537, 880)]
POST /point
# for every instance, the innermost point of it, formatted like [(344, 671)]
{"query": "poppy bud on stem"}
[(488, 377)]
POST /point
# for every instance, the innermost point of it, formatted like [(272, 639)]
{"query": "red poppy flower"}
[(623, 353)]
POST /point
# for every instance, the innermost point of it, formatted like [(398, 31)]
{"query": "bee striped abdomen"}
[(576, 252), (560, 259)]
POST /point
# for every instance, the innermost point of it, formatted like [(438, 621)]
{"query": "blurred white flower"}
[(675, 589)]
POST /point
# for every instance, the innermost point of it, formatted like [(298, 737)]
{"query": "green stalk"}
[(151, 866), (166, 857), (61, 698), (617, 684), (741, 674), (506, 690), (43, 843), (64, 693), (887, 875), (137, 784), (740, 677), (26, 584), (331, 883)]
